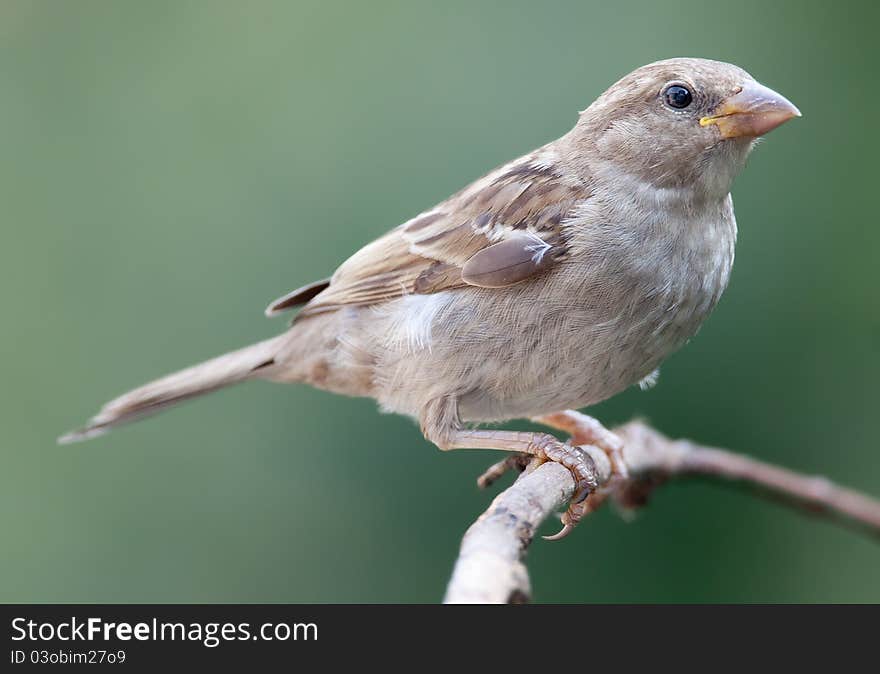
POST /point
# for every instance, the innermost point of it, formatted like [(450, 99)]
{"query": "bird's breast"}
[(643, 284), (681, 267)]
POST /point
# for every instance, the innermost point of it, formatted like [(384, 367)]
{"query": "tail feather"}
[(211, 375)]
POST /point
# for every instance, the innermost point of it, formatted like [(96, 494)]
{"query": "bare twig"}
[(490, 569)]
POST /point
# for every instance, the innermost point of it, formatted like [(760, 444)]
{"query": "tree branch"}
[(490, 569)]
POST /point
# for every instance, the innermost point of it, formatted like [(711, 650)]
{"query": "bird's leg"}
[(542, 447), (585, 430)]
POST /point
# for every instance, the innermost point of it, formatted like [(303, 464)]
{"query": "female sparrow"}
[(551, 283)]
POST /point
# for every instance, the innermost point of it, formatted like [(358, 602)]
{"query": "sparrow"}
[(548, 285)]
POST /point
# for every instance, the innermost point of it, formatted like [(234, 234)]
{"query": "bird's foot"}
[(582, 504), (588, 464), (606, 450), (586, 430), (542, 448), (580, 460)]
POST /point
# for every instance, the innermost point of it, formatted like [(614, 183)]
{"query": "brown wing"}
[(500, 230)]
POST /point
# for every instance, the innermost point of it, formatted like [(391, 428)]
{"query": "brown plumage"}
[(551, 283), (521, 209)]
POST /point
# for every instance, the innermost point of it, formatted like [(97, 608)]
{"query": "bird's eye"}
[(677, 96)]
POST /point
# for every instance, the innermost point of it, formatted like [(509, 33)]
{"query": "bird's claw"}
[(562, 533), (575, 513)]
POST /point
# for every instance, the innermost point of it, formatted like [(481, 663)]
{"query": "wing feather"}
[(503, 229)]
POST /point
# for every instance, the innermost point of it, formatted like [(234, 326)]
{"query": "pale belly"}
[(520, 354)]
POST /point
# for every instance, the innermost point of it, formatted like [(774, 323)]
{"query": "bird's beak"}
[(752, 111)]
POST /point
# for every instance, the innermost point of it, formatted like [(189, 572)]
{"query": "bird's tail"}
[(230, 368)]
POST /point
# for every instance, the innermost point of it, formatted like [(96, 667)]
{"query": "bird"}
[(548, 285)]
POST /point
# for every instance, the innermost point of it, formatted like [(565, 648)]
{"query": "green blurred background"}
[(170, 167)]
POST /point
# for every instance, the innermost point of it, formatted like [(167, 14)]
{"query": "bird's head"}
[(681, 123)]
